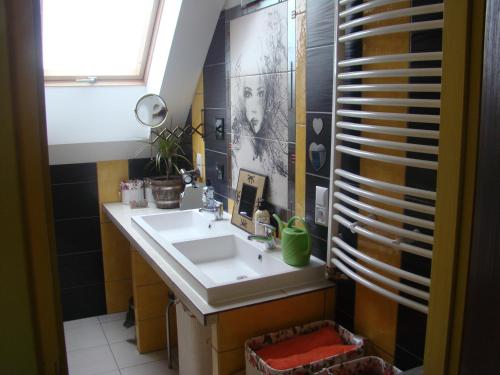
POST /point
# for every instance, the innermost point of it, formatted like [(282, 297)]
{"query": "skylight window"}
[(87, 40)]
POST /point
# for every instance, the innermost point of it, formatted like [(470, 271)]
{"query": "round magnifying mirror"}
[(151, 110)]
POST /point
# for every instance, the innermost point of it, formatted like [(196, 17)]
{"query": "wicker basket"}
[(362, 366), (255, 365)]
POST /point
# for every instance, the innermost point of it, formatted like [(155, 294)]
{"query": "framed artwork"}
[(249, 191), (259, 98)]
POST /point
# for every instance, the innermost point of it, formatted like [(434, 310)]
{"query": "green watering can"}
[(295, 242)]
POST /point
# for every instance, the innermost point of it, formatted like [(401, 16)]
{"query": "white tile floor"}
[(99, 346)]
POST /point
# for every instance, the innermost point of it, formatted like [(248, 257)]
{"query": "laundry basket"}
[(255, 364), (362, 366)]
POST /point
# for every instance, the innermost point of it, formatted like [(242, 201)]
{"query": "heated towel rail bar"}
[(377, 101)]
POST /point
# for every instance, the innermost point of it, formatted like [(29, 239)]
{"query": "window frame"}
[(116, 80)]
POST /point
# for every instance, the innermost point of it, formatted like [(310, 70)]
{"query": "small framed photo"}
[(249, 191)]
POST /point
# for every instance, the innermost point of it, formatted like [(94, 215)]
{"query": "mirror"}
[(249, 191), (151, 110), (247, 201)]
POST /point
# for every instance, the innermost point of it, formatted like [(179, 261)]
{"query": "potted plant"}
[(168, 187)]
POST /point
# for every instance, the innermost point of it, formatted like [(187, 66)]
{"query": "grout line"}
[(218, 152), (109, 345), (214, 64), (76, 218), (319, 113), (80, 252), (86, 348), (74, 183), (317, 175), (84, 286), (261, 74), (320, 46)]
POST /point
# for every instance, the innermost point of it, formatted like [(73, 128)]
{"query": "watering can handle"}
[(290, 224)]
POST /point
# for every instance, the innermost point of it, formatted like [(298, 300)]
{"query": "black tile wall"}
[(317, 139), (214, 86), (77, 235), (217, 51), (83, 301), (75, 200), (217, 162), (320, 28), (213, 140), (344, 319), (70, 173), (319, 79), (140, 168), (215, 94), (78, 239), (80, 269), (405, 360), (411, 337), (318, 247)]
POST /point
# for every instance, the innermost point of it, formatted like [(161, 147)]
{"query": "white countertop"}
[(121, 215)]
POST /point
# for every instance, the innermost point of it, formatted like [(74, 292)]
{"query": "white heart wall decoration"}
[(317, 125)]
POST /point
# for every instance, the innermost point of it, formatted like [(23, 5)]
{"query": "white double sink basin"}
[(218, 260)]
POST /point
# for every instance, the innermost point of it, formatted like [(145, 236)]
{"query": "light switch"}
[(321, 206)]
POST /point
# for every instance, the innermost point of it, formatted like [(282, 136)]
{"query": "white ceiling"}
[(189, 44)]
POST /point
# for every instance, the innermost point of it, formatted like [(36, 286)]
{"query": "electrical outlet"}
[(321, 206)]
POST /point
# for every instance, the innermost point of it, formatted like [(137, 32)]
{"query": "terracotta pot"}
[(167, 191)]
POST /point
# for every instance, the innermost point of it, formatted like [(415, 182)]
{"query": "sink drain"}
[(241, 277)]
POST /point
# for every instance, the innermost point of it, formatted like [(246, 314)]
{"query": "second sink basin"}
[(228, 259), (229, 267)]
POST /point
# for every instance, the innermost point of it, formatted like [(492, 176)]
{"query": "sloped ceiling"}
[(189, 45)]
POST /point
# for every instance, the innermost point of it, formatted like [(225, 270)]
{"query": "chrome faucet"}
[(217, 210), (269, 239)]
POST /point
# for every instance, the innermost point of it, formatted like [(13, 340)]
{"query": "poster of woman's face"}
[(259, 98)]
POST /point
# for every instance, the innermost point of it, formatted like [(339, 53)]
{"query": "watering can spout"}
[(280, 223)]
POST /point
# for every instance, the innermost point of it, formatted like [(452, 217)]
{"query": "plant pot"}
[(167, 191)]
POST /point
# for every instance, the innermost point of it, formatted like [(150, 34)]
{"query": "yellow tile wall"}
[(375, 316), (300, 110), (150, 302), (115, 247), (197, 119), (234, 327)]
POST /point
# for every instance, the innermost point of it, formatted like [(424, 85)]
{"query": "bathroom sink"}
[(218, 261), (230, 267), (227, 259), (177, 225)]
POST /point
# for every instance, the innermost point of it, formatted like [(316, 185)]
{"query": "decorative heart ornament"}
[(317, 125), (317, 155)]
